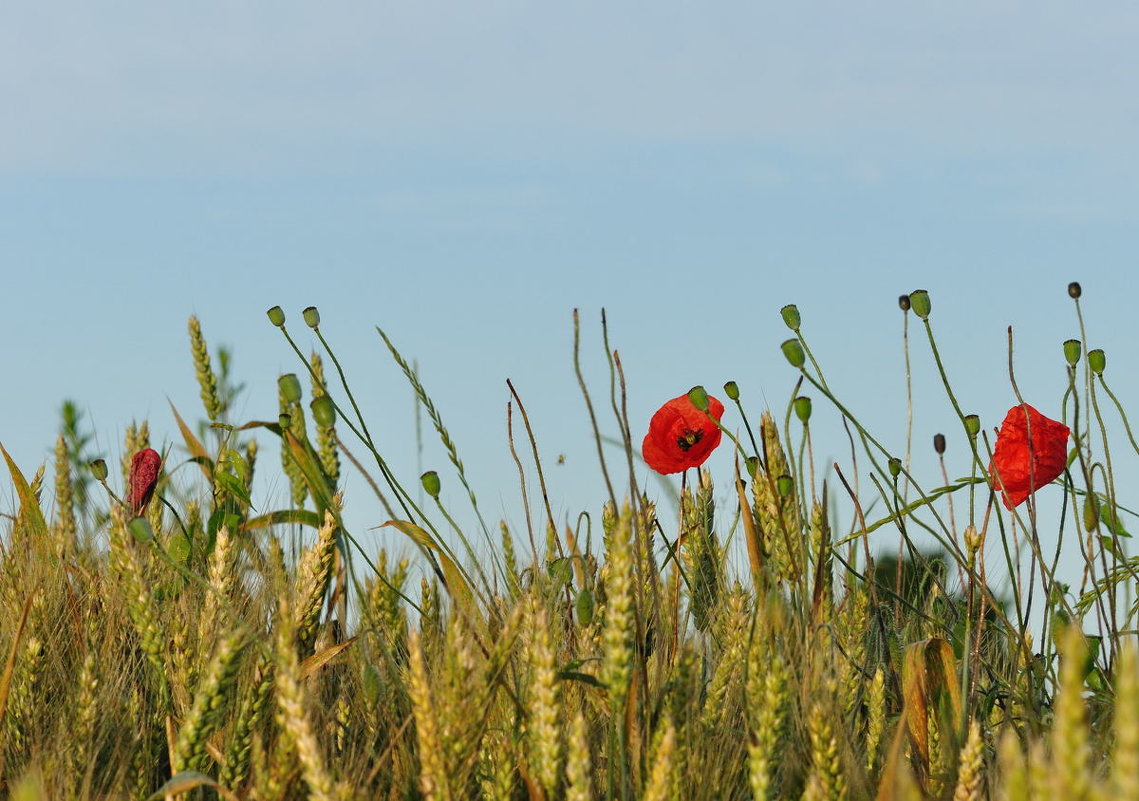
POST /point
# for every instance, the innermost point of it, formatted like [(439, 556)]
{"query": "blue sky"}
[(464, 175)]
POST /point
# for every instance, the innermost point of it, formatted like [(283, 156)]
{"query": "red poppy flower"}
[(1018, 471), (681, 436), (144, 478)]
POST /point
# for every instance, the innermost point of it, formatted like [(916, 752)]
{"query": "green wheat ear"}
[(207, 380)]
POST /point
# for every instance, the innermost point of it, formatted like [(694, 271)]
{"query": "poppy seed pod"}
[(699, 397), (894, 466), (431, 483), (290, 387), (790, 314), (920, 303), (312, 317), (784, 485), (1097, 360), (732, 390), (794, 352), (284, 421), (904, 303), (276, 316), (803, 408), (323, 410), (939, 444), (1091, 514), (1074, 290), (1072, 350), (972, 425), (752, 465), (98, 469)]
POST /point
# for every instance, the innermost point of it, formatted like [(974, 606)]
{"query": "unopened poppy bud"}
[(904, 303), (784, 485), (431, 483), (276, 316), (290, 387), (1072, 350), (1091, 513), (583, 605), (973, 539), (972, 425), (1097, 360), (803, 408), (894, 466), (145, 467), (752, 465), (790, 314), (919, 302), (140, 529), (99, 469), (323, 410), (371, 683), (939, 444), (794, 352), (1074, 289), (699, 397), (732, 390), (285, 420), (312, 317)]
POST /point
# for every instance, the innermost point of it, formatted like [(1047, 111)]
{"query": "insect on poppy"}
[(681, 436), (1019, 470), (145, 467)]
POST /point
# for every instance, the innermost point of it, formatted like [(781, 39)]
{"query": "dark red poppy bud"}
[(323, 410), (1072, 350), (1097, 360), (431, 483), (784, 485), (919, 302), (276, 316), (972, 425), (1074, 289), (794, 352), (732, 390), (790, 314), (904, 303), (894, 466), (98, 469), (803, 408), (699, 397), (939, 444), (145, 467), (312, 317), (290, 387)]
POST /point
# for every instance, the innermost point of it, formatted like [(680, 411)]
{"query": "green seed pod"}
[(794, 352), (790, 314), (431, 483), (919, 302), (972, 425), (140, 529), (276, 316), (1091, 513), (312, 317), (803, 408), (699, 398), (1072, 350), (784, 485), (1097, 360), (732, 390), (904, 303), (290, 387), (371, 683), (939, 444), (179, 548), (1074, 290), (752, 465), (284, 421), (323, 410), (894, 466), (583, 605), (99, 469)]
